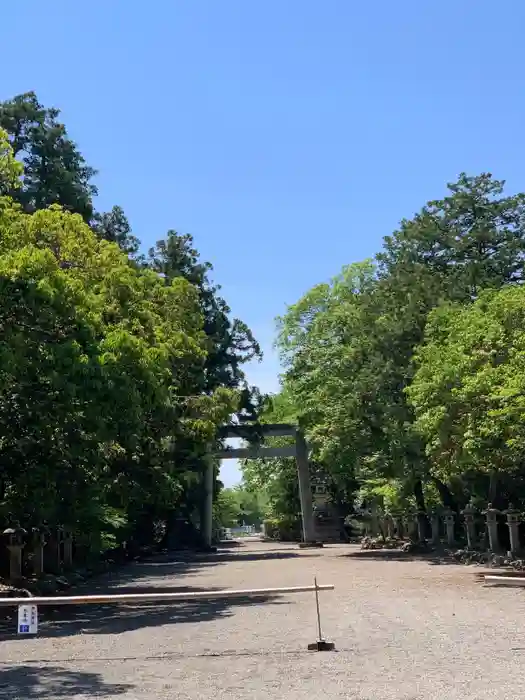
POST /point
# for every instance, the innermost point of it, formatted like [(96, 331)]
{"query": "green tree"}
[(470, 240), (114, 227), (10, 169), (348, 346), (230, 342), (115, 374), (468, 390), (55, 171), (237, 506), (332, 370), (98, 359)]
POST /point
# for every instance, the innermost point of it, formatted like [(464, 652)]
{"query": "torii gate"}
[(299, 450)]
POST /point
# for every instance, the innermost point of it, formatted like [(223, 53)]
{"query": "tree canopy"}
[(404, 370), (116, 369)]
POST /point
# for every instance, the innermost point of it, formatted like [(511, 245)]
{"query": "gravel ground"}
[(403, 630)]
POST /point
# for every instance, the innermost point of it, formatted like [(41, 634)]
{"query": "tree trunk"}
[(493, 487), (447, 499), (422, 508), (419, 496)]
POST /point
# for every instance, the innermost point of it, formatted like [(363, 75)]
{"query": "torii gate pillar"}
[(207, 525), (305, 489)]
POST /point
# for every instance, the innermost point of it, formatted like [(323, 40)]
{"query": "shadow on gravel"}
[(29, 681), (179, 565), (117, 618), (167, 564), (385, 555), (142, 577), (254, 556)]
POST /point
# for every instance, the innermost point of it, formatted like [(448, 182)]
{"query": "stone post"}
[(68, 549), (491, 515), (390, 526), (434, 523), (469, 513), (449, 525), (38, 541), (421, 517), (52, 559), (513, 521), (14, 538)]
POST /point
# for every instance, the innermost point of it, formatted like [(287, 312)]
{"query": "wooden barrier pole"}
[(157, 597), (507, 580)]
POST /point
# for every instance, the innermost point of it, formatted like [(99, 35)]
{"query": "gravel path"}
[(403, 630)]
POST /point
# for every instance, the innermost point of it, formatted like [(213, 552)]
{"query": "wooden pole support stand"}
[(321, 645)]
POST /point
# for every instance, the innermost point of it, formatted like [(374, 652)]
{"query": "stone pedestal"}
[(469, 514), (449, 526), (513, 522)]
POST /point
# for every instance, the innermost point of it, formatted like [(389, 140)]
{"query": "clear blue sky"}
[(288, 136)]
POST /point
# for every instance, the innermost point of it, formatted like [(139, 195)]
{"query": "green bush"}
[(285, 529)]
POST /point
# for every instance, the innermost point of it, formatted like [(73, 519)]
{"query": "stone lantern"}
[(469, 514), (449, 526), (513, 522), (491, 515), (14, 538)]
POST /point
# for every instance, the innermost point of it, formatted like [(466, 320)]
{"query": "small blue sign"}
[(24, 629)]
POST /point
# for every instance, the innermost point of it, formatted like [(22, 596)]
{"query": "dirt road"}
[(403, 629)]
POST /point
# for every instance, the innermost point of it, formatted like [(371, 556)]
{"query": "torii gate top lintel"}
[(255, 432), (252, 430)]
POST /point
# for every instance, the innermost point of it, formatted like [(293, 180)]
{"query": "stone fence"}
[(491, 529), (31, 555)]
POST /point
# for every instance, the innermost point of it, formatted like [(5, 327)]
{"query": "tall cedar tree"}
[(231, 343), (55, 172)]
